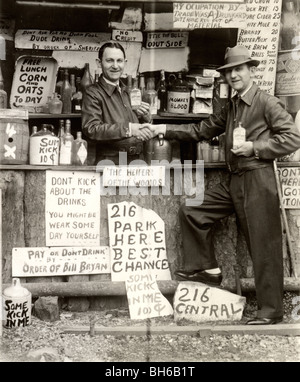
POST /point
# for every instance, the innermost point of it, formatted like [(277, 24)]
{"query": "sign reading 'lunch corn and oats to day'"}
[(72, 208)]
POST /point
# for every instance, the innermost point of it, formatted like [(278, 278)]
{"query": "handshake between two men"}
[(146, 131)]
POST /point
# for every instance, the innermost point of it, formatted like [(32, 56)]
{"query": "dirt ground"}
[(48, 342)]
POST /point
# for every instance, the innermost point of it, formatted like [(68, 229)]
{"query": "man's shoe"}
[(200, 276), (264, 321)]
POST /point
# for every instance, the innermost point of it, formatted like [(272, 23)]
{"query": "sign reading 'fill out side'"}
[(137, 242), (72, 208)]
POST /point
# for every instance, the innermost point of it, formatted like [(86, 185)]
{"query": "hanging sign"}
[(167, 40), (144, 298), (59, 40), (290, 183), (137, 242), (72, 208), (33, 82), (288, 73), (261, 36), (59, 261), (209, 15), (201, 303), (125, 35)]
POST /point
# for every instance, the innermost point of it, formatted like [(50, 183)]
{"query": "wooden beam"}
[(108, 288), (201, 331)]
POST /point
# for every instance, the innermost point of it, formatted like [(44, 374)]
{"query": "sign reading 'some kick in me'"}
[(60, 261), (290, 182), (72, 208)]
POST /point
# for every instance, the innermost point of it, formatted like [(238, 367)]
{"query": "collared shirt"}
[(268, 125), (106, 113)]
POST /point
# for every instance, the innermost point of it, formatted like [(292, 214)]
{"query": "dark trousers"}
[(253, 197)]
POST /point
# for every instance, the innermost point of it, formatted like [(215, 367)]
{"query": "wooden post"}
[(1, 318)]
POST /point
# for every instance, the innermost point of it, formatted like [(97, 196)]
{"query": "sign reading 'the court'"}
[(72, 208)]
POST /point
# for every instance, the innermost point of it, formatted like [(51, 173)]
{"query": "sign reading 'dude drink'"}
[(72, 208), (137, 242), (60, 261), (201, 303)]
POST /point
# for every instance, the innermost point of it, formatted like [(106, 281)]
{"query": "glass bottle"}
[(66, 94), (129, 83), (34, 130), (135, 95), (162, 92), (142, 85), (77, 97), (61, 129), (239, 136), (79, 150), (60, 81), (179, 96), (3, 94), (72, 83), (65, 157), (55, 104), (86, 79), (150, 95)]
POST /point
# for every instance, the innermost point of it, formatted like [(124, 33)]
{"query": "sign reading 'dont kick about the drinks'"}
[(137, 242), (72, 208), (201, 303), (60, 261)]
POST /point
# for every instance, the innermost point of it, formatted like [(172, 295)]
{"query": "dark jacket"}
[(106, 114), (268, 125)]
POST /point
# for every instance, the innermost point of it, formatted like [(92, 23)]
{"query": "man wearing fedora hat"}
[(251, 192)]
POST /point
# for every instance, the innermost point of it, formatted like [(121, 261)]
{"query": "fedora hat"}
[(236, 56)]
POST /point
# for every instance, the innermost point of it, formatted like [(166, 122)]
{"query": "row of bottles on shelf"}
[(69, 90), (211, 151), (47, 148), (161, 96)]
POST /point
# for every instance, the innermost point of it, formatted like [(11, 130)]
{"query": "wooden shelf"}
[(27, 167), (53, 116)]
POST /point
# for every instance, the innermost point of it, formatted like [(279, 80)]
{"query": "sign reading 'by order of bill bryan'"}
[(60, 261), (72, 208)]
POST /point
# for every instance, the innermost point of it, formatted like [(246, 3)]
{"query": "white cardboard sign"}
[(144, 298), (137, 242), (72, 208), (60, 261), (201, 303)]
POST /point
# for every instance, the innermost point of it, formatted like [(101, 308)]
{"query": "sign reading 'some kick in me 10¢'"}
[(72, 208)]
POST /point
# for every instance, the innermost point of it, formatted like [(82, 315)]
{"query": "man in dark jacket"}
[(107, 116), (251, 193)]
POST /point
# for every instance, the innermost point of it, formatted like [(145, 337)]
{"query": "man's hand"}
[(246, 149), (158, 129), (142, 132), (144, 111)]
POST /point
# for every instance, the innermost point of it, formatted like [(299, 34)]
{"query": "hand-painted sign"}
[(126, 176), (167, 40), (59, 40), (209, 15), (290, 182), (144, 298), (60, 261), (199, 302), (137, 242), (72, 208), (33, 82), (261, 36), (125, 35)]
